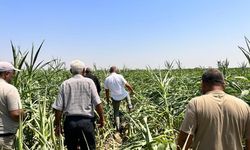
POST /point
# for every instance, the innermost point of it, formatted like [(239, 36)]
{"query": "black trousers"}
[(79, 131)]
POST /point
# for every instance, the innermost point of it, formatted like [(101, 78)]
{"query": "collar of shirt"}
[(216, 92), (78, 76), (219, 94), (2, 80)]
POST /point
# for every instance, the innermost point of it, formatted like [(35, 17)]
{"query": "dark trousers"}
[(116, 106), (79, 131)]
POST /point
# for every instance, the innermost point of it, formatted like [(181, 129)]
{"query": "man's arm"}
[(184, 140), (16, 114), (188, 127), (247, 144), (107, 95), (14, 105), (96, 101), (129, 88), (99, 111), (98, 86), (57, 122)]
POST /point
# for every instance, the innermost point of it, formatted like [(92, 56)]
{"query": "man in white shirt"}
[(114, 85)]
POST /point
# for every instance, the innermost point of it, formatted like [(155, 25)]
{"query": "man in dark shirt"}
[(88, 74)]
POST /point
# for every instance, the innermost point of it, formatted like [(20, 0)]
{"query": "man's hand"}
[(108, 100), (57, 122), (132, 92), (17, 115), (58, 130), (100, 112), (107, 95), (184, 140), (248, 144), (101, 123)]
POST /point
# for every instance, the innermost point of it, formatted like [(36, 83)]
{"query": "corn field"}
[(159, 101)]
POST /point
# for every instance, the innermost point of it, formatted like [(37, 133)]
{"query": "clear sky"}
[(134, 33)]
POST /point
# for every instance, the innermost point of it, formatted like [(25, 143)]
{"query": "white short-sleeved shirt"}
[(9, 101), (115, 83), (77, 96)]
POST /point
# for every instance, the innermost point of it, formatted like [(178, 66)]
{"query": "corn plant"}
[(159, 102), (246, 52), (169, 65), (223, 66)]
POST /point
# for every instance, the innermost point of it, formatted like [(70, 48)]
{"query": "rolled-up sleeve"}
[(58, 104), (95, 98), (189, 123)]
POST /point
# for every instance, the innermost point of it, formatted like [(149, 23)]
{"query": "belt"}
[(78, 116), (6, 134), (72, 117)]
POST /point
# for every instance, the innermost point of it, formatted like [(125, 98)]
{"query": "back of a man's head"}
[(213, 77), (76, 67), (88, 70), (113, 69)]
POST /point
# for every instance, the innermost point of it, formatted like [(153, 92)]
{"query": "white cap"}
[(77, 66), (6, 66)]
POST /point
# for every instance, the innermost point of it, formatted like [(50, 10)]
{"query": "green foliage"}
[(246, 52), (159, 102), (223, 66)]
